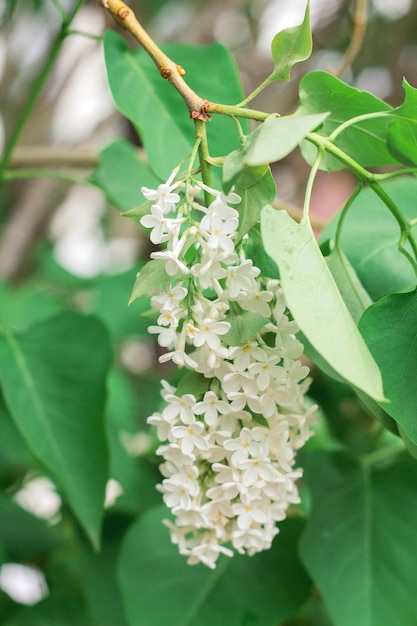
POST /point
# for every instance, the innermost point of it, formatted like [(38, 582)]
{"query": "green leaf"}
[(370, 238), (151, 276), (109, 304), (277, 136), (58, 609), (194, 383), (390, 329), (291, 46), (23, 535), (53, 381), (14, 452), (315, 301), (168, 133), (255, 250), (261, 590), (360, 542), (120, 174), (26, 304), (244, 327), (364, 141), (235, 171), (124, 411), (348, 283), (253, 200), (410, 446), (402, 138), (99, 582)]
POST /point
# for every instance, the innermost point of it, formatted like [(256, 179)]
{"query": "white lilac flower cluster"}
[(229, 448)]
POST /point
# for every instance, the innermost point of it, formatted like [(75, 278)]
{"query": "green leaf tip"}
[(291, 46)]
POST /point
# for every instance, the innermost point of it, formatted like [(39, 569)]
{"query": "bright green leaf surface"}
[(168, 133), (159, 588), (63, 609), (99, 576), (24, 305), (235, 171), (278, 136), (151, 276), (194, 383), (121, 174), (360, 543), (402, 139), (23, 535), (14, 451), (291, 46), (123, 412), (253, 200), (348, 283), (244, 327), (364, 141), (390, 329), (109, 303), (255, 250), (315, 301), (370, 238), (53, 381)]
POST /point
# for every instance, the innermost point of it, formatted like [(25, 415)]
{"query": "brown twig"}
[(57, 157), (169, 70), (53, 156), (198, 107), (26, 225), (360, 18)]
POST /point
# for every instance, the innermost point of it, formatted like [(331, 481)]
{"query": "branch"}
[(360, 18), (198, 107), (26, 225), (53, 157), (125, 17)]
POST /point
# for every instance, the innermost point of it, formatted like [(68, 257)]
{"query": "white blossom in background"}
[(229, 440)]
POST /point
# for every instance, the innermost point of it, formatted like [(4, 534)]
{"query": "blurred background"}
[(62, 245)]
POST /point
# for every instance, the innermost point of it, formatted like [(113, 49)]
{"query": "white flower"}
[(178, 491), (169, 299), (221, 202), (162, 227), (259, 467), (238, 378), (182, 407), (241, 279), (242, 446), (219, 234), (253, 540), (227, 479), (190, 437), (206, 553), (249, 511), (257, 302), (211, 406), (179, 355), (172, 257), (170, 317), (209, 333), (166, 336), (266, 370), (242, 356), (172, 452), (163, 425), (163, 195)]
